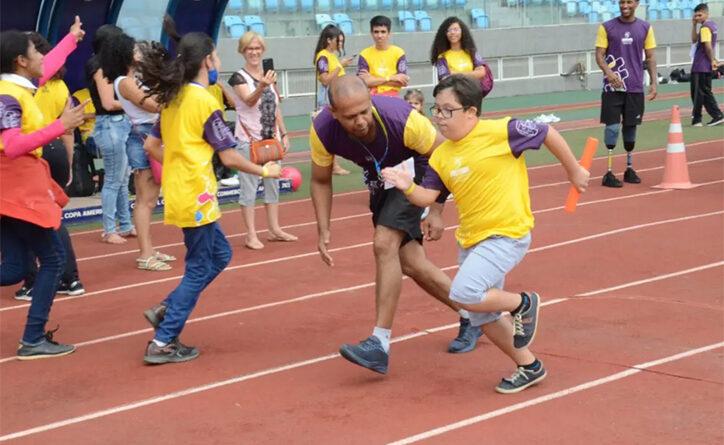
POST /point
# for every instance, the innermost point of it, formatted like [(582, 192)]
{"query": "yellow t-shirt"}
[(383, 63), (51, 99), (218, 94), (86, 129), (31, 119), (487, 175), (192, 127), (327, 62)]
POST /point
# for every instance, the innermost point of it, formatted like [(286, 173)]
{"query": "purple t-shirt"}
[(394, 113), (701, 63), (625, 51)]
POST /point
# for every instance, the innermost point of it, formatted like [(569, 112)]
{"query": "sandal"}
[(152, 263), (164, 257)]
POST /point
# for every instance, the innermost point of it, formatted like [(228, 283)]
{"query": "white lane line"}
[(536, 167), (276, 370), (303, 255), (635, 369)]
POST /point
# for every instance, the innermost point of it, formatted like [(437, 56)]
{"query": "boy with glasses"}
[(482, 163)]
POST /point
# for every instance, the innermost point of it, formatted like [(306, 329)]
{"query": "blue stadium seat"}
[(665, 12), (415, 4), (654, 14), (355, 5), (271, 5), (344, 23), (460, 3), (593, 16), (584, 7), (289, 5), (371, 5), (235, 5), (253, 6), (688, 12), (614, 9), (432, 4), (323, 20), (424, 21), (571, 9), (606, 16), (324, 5), (386, 4), (340, 4), (480, 18), (234, 26), (407, 21), (307, 5), (255, 23)]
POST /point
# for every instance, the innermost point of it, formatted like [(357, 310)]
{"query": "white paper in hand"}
[(410, 162)]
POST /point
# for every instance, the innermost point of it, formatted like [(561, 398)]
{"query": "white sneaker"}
[(230, 182)]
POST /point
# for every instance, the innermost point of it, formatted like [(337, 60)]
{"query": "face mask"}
[(213, 76)]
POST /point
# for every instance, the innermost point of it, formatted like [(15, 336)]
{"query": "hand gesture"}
[(322, 246), (73, 117), (346, 62), (402, 179), (614, 80), (579, 178), (76, 30), (269, 78), (433, 226), (285, 143), (274, 169)]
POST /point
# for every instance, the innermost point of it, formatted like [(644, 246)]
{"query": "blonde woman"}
[(257, 117)]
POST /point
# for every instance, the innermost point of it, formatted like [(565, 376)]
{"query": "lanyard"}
[(378, 164)]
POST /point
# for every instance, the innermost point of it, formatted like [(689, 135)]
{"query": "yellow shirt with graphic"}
[(32, 118), (487, 175), (192, 128), (383, 63), (328, 63), (86, 129)]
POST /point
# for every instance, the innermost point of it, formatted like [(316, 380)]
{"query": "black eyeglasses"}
[(442, 112)]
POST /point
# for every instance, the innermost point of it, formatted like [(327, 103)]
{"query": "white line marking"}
[(290, 366), (556, 395)]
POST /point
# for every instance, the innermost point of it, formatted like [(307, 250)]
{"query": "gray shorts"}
[(484, 266), (248, 183)]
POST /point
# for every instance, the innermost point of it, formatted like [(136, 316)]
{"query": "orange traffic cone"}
[(676, 171)]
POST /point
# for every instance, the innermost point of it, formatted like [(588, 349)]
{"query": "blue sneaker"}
[(525, 322), (368, 353), (467, 338), (521, 379)]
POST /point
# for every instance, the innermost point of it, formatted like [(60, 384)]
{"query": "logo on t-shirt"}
[(8, 118), (627, 39), (526, 128), (221, 130)]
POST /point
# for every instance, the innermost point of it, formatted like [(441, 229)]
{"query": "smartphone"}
[(267, 64)]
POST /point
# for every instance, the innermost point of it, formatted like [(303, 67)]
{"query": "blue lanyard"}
[(378, 164)]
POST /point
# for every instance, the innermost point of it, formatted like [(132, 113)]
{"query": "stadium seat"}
[(386, 4), (324, 5), (407, 21), (271, 5), (593, 17), (323, 20), (665, 12), (606, 16), (584, 7), (654, 14), (235, 5), (255, 23), (571, 9), (340, 4), (344, 23), (289, 5), (371, 5), (355, 5), (432, 4), (460, 3), (423, 20), (234, 26), (480, 18), (687, 13), (307, 5), (253, 6)]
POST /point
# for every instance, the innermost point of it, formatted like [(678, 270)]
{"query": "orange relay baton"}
[(586, 159)]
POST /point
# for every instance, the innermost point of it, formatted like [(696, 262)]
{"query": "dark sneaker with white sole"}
[(467, 338), (631, 177), (46, 348), (155, 315), (73, 289), (368, 353), (525, 322), (715, 121), (521, 379), (24, 294), (174, 352), (610, 180)]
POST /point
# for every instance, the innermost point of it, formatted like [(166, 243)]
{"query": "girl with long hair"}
[(453, 51), (192, 129)]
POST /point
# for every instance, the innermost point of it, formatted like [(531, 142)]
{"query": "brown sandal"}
[(152, 263)]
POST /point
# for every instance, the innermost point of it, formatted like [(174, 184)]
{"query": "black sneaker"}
[(174, 352), (46, 348), (24, 294), (74, 288), (631, 177), (525, 322), (155, 315), (715, 121), (609, 180), (521, 379), (368, 353), (467, 337)]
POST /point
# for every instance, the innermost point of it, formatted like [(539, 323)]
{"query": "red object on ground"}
[(293, 174), (586, 159)]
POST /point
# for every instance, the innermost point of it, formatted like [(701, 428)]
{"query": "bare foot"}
[(281, 236), (254, 244), (337, 170), (131, 233), (113, 238)]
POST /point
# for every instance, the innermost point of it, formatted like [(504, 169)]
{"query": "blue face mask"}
[(213, 76)]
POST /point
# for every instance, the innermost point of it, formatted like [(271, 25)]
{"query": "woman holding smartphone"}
[(328, 66), (258, 117)]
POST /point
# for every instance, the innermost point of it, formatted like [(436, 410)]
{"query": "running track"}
[(631, 334)]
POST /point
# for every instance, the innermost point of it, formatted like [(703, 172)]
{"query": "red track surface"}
[(634, 276)]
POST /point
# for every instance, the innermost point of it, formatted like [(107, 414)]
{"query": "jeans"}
[(207, 254), (70, 271), (17, 239), (110, 134)]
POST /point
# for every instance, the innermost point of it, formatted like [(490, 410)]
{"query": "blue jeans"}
[(137, 158), (207, 254), (110, 134), (17, 239)]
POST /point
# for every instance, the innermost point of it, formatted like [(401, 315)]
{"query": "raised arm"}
[(57, 56)]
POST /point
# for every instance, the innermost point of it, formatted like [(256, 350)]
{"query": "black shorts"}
[(390, 208), (615, 105)]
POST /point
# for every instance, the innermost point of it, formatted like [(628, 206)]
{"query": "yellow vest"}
[(32, 119)]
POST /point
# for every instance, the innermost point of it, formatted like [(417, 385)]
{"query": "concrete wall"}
[(512, 45)]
